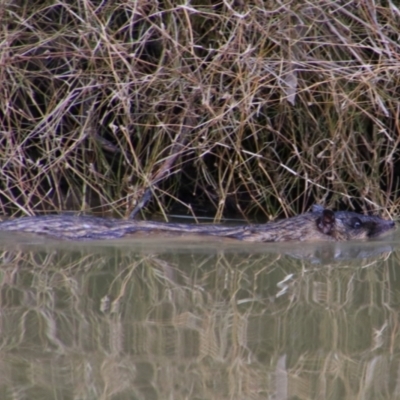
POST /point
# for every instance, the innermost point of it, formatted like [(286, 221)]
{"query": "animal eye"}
[(356, 223)]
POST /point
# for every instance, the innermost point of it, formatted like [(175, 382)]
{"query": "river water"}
[(192, 319)]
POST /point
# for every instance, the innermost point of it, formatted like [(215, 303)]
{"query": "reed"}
[(264, 109)]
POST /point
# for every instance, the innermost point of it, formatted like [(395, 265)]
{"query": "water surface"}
[(198, 319)]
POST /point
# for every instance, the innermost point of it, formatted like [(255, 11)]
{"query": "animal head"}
[(348, 225)]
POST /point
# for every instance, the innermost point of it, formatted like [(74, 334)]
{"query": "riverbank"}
[(241, 109)]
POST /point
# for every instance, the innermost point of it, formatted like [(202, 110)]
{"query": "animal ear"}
[(326, 222)]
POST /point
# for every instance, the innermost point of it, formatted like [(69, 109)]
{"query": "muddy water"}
[(193, 319)]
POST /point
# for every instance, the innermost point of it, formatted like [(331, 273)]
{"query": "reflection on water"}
[(170, 320)]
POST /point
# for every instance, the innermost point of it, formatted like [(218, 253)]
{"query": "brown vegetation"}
[(261, 108)]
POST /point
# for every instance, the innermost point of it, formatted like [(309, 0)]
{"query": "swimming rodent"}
[(318, 225)]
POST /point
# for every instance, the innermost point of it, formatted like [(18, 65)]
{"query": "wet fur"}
[(318, 225)]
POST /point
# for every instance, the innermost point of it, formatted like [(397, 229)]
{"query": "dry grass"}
[(288, 105)]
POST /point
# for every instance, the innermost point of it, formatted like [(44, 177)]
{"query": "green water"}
[(198, 320)]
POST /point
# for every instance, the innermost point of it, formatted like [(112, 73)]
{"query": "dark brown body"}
[(318, 225)]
